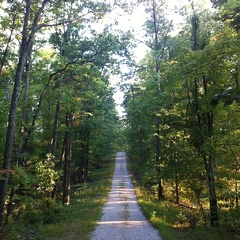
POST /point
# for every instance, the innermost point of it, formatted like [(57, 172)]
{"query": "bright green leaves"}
[(231, 14), (63, 104), (197, 105), (46, 175)]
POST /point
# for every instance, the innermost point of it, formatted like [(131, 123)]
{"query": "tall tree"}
[(60, 71), (26, 43)]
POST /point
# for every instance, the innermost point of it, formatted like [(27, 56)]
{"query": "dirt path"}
[(122, 218)]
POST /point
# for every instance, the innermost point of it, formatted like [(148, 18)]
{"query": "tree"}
[(26, 43), (158, 29), (71, 59), (199, 84)]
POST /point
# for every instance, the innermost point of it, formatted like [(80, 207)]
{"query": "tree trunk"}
[(4, 58), (66, 170), (209, 165), (87, 152), (12, 116), (176, 187), (55, 129), (67, 159), (54, 145), (140, 142), (27, 41), (25, 117), (56, 118), (212, 192), (158, 122)]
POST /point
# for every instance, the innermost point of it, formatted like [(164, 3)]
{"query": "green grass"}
[(174, 225), (77, 219)]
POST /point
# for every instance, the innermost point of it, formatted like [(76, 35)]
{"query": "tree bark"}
[(12, 115), (54, 144), (158, 122), (140, 141), (209, 165), (4, 58), (87, 152), (67, 159), (27, 41)]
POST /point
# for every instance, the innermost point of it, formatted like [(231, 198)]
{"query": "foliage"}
[(176, 222), (194, 94), (59, 122), (57, 108), (50, 220)]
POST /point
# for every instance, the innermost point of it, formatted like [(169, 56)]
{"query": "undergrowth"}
[(73, 222), (175, 223)]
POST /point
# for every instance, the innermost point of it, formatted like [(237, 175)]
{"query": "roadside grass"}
[(174, 224), (77, 220)]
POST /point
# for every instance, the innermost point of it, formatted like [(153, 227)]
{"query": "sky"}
[(134, 22)]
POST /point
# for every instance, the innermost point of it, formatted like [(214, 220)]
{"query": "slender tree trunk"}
[(27, 87), (27, 41), (158, 122), (212, 192), (25, 115), (67, 159), (66, 170), (210, 167), (140, 142), (55, 128), (12, 116), (56, 118), (4, 58), (176, 187), (211, 178), (54, 145), (87, 153), (62, 157)]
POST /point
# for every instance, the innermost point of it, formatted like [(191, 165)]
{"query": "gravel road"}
[(122, 218)]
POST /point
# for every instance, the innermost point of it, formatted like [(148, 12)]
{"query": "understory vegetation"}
[(49, 220), (182, 221)]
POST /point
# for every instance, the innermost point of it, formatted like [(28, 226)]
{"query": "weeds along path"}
[(122, 217)]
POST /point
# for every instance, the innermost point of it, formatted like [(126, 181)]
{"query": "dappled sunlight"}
[(122, 217), (133, 223)]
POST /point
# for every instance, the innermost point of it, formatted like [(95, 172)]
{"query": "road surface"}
[(122, 218)]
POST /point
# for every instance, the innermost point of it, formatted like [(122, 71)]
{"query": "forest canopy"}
[(182, 110)]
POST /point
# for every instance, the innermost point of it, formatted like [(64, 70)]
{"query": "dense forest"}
[(180, 127), (182, 112), (57, 110)]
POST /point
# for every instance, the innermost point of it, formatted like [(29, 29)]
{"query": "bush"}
[(32, 217), (45, 211), (51, 211)]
